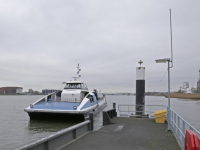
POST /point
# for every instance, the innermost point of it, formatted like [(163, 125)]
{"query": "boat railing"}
[(67, 100), (178, 125), (54, 98)]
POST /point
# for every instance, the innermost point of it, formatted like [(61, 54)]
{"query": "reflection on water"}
[(39, 126)]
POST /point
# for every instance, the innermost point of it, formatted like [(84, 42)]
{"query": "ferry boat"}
[(74, 99)]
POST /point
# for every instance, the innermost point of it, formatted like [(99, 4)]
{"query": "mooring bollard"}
[(105, 118), (91, 121), (114, 105), (115, 112)]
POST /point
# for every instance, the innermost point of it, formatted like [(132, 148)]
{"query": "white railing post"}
[(178, 127), (128, 110), (183, 131), (175, 129), (168, 118), (150, 112), (119, 110), (172, 119)]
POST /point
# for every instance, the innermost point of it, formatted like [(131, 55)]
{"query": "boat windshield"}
[(74, 86)]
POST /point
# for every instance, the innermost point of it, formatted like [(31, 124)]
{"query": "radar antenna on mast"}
[(78, 75)]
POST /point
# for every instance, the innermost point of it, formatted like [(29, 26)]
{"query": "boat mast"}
[(78, 75)]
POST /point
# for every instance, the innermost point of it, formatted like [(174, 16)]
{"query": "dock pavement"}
[(127, 134)]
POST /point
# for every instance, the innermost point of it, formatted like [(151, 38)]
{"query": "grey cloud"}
[(41, 43)]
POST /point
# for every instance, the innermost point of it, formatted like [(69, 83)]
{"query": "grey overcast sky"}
[(42, 41)]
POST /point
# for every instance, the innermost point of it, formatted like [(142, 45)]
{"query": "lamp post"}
[(168, 114)]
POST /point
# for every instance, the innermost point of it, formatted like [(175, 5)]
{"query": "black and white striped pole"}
[(140, 89)]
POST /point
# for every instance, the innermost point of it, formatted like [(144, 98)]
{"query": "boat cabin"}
[(74, 91)]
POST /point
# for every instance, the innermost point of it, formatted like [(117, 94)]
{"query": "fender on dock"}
[(192, 141)]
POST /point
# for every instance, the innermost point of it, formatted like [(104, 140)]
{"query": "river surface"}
[(16, 129)]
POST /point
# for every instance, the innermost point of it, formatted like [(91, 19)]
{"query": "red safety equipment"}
[(189, 140), (196, 142), (192, 141)]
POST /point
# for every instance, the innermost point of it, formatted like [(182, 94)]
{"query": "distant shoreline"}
[(174, 95), (184, 96), (180, 95)]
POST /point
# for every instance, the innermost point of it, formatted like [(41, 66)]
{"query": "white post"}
[(168, 114), (140, 91)]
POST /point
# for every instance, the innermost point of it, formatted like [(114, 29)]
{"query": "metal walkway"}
[(128, 134)]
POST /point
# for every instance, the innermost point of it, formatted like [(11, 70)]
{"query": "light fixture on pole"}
[(164, 61)]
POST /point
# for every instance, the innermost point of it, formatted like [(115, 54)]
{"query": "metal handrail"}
[(133, 111), (53, 141), (178, 125)]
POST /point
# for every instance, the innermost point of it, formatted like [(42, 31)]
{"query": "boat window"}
[(73, 86), (90, 97), (82, 85)]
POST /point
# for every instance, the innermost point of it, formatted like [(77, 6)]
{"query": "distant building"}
[(36, 92), (172, 90), (11, 90), (185, 88), (19, 90), (48, 91), (198, 82), (30, 91)]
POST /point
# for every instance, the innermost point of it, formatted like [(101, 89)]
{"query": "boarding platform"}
[(128, 134)]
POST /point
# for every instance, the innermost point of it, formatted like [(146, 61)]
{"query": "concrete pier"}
[(128, 134)]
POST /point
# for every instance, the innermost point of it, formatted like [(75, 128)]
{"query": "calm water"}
[(16, 129)]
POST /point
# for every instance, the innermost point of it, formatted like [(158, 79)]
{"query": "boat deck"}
[(55, 105), (51, 105), (128, 134)]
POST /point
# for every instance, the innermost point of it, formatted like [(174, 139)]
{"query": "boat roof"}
[(75, 82)]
